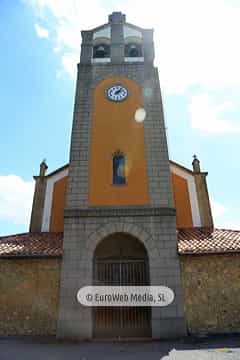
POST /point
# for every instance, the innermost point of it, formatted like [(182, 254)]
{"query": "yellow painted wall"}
[(114, 127), (182, 201)]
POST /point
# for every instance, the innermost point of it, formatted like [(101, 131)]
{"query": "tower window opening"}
[(119, 169), (101, 51), (133, 50)]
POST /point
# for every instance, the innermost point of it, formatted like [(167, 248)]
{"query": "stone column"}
[(202, 194), (117, 39), (86, 47), (148, 46), (38, 199)]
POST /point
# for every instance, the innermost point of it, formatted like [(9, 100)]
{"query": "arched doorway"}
[(121, 259)]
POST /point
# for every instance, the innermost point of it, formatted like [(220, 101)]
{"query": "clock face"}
[(117, 93)]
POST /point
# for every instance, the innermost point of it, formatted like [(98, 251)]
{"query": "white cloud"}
[(218, 209), (41, 32), (195, 43), (229, 224), (69, 62), (68, 19), (225, 217), (16, 197), (212, 117), (192, 45)]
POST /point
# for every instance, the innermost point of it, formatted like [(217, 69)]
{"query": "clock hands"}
[(118, 91)]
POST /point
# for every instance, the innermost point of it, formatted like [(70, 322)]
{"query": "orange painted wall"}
[(182, 201), (58, 204), (180, 192), (114, 128)]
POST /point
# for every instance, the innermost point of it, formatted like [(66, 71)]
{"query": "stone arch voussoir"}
[(135, 230)]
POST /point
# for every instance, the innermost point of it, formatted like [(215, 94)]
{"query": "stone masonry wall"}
[(29, 293), (211, 288), (85, 229)]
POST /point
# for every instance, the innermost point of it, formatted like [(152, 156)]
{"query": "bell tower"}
[(119, 185)]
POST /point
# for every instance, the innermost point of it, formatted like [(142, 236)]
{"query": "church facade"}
[(119, 208), (123, 210)]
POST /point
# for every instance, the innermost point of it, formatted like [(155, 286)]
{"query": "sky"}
[(197, 54)]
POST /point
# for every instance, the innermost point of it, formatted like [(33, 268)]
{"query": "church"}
[(120, 213)]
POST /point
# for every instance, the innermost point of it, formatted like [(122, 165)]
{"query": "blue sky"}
[(198, 58)]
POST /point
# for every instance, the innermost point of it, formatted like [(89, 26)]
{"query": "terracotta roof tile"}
[(207, 240), (190, 241), (32, 244)]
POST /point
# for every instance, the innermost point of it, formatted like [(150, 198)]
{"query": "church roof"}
[(32, 244), (193, 241), (207, 240)]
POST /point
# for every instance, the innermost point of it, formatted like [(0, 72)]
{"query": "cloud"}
[(69, 62), (16, 197), (192, 45), (210, 116), (225, 217), (218, 209), (41, 32), (193, 48), (230, 224), (67, 19)]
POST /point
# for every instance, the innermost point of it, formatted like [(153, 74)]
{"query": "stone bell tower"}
[(119, 189)]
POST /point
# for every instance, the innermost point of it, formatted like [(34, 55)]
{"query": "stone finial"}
[(117, 17), (43, 168), (196, 164)]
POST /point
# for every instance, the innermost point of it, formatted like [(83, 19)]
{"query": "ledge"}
[(119, 212), (31, 256)]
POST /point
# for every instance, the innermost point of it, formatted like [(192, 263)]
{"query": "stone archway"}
[(121, 259), (127, 228)]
